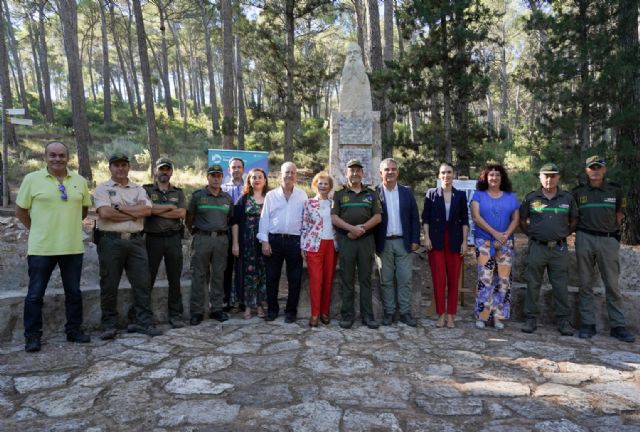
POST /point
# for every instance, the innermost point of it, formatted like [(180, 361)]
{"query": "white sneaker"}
[(480, 324), (498, 325)]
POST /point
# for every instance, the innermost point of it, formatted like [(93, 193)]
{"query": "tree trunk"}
[(69, 18), (152, 133), (215, 124), (123, 67), (446, 89), (242, 113), (92, 83), (292, 110), (361, 26), (227, 74), (164, 71), (629, 100), (585, 82), (44, 64), (134, 73), (8, 133), (106, 67), (34, 53), (182, 91), (13, 47), (387, 125), (400, 35)]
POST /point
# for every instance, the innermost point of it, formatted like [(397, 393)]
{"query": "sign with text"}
[(355, 131), (252, 159)]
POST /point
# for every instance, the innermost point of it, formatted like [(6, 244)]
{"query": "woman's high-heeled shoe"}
[(440, 322), (313, 321)]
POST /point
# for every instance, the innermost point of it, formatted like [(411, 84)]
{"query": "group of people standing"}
[(243, 233)]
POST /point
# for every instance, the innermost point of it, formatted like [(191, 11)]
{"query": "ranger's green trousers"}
[(556, 261), (208, 262), (356, 253)]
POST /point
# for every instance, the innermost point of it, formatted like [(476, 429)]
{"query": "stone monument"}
[(355, 128)]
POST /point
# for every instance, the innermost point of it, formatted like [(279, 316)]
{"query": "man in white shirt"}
[(397, 236), (279, 232)]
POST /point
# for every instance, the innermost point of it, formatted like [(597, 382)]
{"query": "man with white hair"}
[(279, 232)]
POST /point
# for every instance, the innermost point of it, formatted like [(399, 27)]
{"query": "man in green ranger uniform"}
[(548, 215), (164, 231), (601, 207), (356, 211), (208, 216)]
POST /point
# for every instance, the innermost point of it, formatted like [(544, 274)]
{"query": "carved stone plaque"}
[(355, 131), (364, 155)]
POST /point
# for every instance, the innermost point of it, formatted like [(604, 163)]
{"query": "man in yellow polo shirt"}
[(52, 203)]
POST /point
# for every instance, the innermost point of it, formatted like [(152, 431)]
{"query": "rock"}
[(534, 408), (563, 425), (431, 425), (463, 360), (264, 396), (140, 357), (240, 348), (497, 411), (188, 386), (37, 382), (357, 421), (104, 371), (128, 402), (381, 392), (72, 400), (623, 390), (318, 416), (205, 365), (290, 345), (451, 407), (548, 351), (194, 412), (494, 388)]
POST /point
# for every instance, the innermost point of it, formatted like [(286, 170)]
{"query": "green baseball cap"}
[(215, 169), (164, 162), (595, 160), (118, 156), (549, 168), (354, 163)]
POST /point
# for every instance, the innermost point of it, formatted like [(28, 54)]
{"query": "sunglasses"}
[(63, 192)]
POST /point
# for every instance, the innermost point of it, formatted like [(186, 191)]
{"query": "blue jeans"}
[(40, 269)]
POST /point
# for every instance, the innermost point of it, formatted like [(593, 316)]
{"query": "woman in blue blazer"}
[(445, 220)]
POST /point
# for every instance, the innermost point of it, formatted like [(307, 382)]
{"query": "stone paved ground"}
[(250, 375)]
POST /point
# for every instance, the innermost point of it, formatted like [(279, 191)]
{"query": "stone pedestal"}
[(355, 135)]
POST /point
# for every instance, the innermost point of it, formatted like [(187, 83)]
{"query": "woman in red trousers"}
[(445, 219), (317, 241)]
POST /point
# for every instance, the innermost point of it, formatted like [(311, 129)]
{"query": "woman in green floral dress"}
[(246, 247)]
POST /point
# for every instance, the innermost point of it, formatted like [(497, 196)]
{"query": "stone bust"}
[(355, 92)]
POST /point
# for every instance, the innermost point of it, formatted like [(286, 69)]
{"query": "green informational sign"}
[(252, 159)]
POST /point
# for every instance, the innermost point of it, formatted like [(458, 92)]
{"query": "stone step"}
[(11, 303)]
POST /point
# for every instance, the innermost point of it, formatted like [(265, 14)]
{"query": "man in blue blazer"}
[(397, 236)]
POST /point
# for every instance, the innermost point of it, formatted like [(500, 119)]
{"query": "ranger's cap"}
[(354, 163), (595, 160), (215, 169), (164, 162), (118, 156), (549, 168)]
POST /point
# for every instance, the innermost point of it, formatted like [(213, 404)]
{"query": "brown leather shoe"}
[(325, 319), (313, 322)]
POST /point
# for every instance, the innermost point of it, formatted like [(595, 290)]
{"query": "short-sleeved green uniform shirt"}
[(356, 208), (210, 213), (172, 196), (598, 206), (56, 224), (548, 218)]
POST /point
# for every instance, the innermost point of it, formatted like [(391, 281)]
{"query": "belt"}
[(163, 233), (550, 243), (121, 235), (211, 233), (394, 237), (284, 236), (615, 234)]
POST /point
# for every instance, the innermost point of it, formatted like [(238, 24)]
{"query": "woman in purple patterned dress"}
[(494, 208)]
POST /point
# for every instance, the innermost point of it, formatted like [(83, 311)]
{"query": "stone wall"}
[(14, 280)]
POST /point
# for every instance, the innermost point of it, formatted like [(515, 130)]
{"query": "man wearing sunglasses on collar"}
[(51, 204), (601, 206)]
